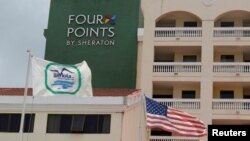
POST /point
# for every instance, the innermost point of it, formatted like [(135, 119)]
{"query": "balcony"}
[(188, 36), (232, 32), (176, 71), (231, 104), (197, 32), (239, 67), (218, 104), (173, 138), (232, 35), (178, 32), (187, 104), (166, 67), (231, 72)]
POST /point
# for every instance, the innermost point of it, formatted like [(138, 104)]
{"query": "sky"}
[(22, 23)]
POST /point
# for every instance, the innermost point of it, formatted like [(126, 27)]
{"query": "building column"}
[(147, 54), (207, 59), (39, 130)]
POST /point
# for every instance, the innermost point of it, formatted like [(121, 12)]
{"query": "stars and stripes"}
[(173, 120)]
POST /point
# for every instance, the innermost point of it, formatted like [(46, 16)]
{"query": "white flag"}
[(50, 78)]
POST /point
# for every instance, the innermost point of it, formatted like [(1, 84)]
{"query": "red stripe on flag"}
[(182, 123), (197, 132)]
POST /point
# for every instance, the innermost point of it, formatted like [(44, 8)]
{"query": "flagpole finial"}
[(29, 52)]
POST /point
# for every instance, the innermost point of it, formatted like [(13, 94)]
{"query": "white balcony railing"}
[(218, 104), (177, 67), (231, 104), (232, 32), (231, 67), (172, 138), (189, 104), (178, 32)]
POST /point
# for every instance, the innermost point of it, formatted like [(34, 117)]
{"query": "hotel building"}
[(194, 55)]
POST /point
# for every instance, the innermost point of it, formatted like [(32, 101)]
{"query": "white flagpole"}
[(24, 98)]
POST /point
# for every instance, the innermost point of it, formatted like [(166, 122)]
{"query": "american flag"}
[(173, 120)]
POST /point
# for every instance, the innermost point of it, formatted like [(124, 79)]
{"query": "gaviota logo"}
[(61, 79)]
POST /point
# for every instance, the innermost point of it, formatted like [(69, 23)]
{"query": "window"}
[(11, 122), (189, 58), (162, 96), (78, 123), (166, 23), (227, 24), (188, 94), (163, 60), (227, 58), (246, 104), (246, 96), (246, 23), (190, 24), (227, 33), (160, 133), (226, 94)]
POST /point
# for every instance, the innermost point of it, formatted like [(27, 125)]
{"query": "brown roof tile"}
[(14, 91), (96, 91)]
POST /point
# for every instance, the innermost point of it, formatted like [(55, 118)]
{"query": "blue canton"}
[(153, 107)]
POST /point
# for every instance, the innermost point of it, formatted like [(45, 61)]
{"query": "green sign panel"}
[(101, 32)]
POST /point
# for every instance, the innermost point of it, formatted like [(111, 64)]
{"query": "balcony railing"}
[(231, 104), (177, 67), (172, 138), (189, 104), (178, 32), (232, 32), (232, 67)]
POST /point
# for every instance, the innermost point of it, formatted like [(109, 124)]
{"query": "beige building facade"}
[(194, 55), (118, 117)]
